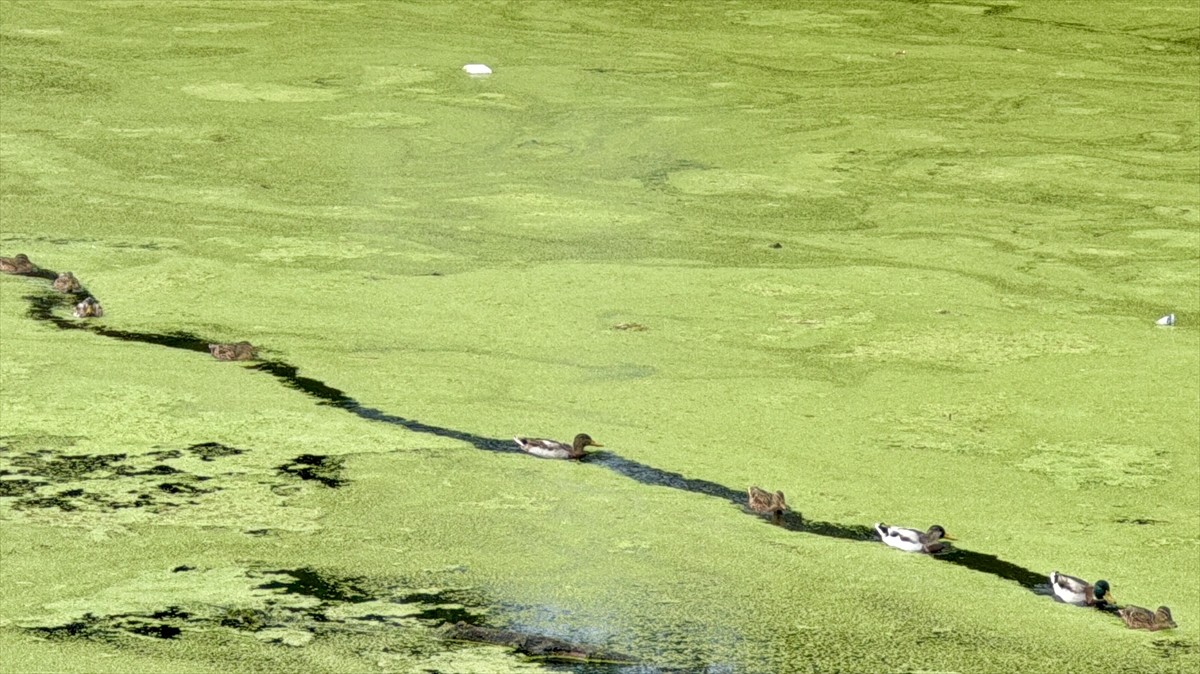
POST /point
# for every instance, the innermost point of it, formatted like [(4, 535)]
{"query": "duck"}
[(1138, 618), (914, 540), (1079, 592), (553, 449), (764, 502), (67, 283), (235, 351), (89, 308), (20, 264)]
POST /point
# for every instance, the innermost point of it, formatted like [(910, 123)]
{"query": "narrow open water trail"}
[(41, 308)]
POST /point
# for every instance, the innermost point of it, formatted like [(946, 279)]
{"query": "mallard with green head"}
[(236, 351), (1138, 618), (913, 540), (89, 308), (67, 283), (19, 264), (764, 502), (1077, 591), (553, 449)]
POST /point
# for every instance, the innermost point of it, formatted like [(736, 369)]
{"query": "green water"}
[(982, 209)]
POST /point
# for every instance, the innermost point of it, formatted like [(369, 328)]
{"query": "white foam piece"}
[(1169, 319), (477, 69)]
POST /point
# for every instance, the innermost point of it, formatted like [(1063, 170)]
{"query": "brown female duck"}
[(235, 351), (19, 264), (1138, 618), (67, 283), (764, 502)]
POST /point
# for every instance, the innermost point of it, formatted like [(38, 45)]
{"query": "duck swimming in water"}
[(20, 264), (67, 283), (236, 351), (914, 540), (1079, 592), (764, 502), (1138, 618), (553, 449), (89, 308)]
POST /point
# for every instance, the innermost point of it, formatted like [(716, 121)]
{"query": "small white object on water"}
[(1169, 319), (477, 69)]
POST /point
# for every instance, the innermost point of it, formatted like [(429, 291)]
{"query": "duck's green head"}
[(1102, 590)]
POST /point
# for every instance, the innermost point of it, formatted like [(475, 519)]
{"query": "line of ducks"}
[(1068, 589), (65, 283), (89, 307)]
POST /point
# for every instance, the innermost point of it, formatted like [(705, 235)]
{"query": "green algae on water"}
[(980, 212)]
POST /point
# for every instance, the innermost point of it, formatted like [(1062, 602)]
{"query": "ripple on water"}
[(238, 92)]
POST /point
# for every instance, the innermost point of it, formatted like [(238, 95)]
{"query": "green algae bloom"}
[(901, 261)]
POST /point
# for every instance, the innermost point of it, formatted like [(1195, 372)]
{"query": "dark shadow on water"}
[(41, 309), (656, 477), (328, 395), (991, 564)]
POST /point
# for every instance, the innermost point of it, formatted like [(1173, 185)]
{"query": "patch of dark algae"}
[(312, 467), (324, 469), (312, 583), (89, 626), (307, 603), (48, 479)]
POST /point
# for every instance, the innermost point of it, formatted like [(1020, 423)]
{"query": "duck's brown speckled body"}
[(235, 351), (1138, 618), (18, 264), (764, 502), (67, 283)]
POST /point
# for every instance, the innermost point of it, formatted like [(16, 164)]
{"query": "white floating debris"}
[(1169, 319), (477, 69)]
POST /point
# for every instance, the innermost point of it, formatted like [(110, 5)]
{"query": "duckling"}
[(553, 449), (89, 308), (67, 283), (236, 351), (914, 540), (1138, 618), (17, 265), (1077, 591), (764, 502)]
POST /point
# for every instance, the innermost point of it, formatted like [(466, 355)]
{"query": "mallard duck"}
[(17, 265), (913, 540), (764, 502), (89, 308), (553, 449), (1077, 591), (1138, 618), (67, 283), (236, 351)]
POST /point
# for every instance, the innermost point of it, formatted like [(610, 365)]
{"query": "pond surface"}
[(899, 260)]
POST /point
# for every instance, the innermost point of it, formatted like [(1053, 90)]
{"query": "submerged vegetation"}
[(901, 261)]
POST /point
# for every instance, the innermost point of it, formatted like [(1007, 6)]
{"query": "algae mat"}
[(900, 260)]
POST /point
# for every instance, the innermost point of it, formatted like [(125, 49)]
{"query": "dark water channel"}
[(41, 308)]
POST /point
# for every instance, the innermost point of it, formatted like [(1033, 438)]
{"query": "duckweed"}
[(901, 261)]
